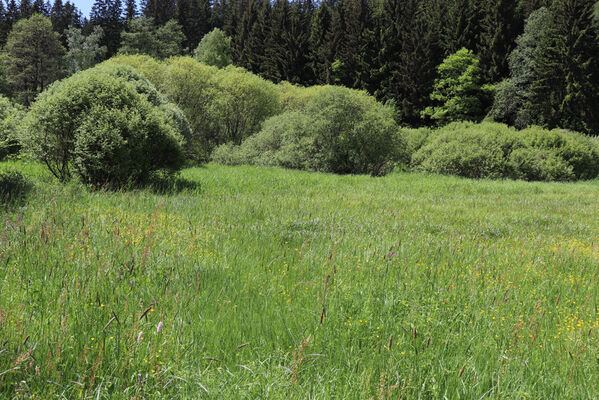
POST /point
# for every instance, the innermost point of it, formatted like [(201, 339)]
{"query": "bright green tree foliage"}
[(214, 49), (459, 91)]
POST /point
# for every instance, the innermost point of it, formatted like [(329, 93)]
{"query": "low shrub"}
[(107, 125), (415, 138), (493, 150), (534, 164), (285, 140), (226, 105), (239, 103), (340, 131), (10, 116)]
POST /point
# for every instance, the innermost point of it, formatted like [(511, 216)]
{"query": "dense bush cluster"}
[(132, 117), (492, 150), (10, 116), (340, 130), (107, 124), (222, 105)]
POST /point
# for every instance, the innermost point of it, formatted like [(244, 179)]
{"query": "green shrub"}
[(240, 101), (214, 49), (10, 116), (340, 131), (221, 106), (136, 78), (145, 87), (285, 140), (578, 150), (99, 123), (13, 186), (415, 139), (296, 98), (189, 84), (534, 164), (152, 69), (493, 150)]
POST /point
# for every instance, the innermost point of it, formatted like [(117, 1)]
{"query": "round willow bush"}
[(493, 150), (341, 131), (101, 125)]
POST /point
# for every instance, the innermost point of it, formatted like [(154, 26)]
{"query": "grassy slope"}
[(489, 289)]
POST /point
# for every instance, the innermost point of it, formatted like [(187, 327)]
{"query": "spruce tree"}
[(355, 51), (40, 7), (4, 24), (565, 90), (277, 53), (499, 29), (56, 12), (72, 15), (320, 58), (33, 57), (299, 70), (461, 24), (63, 16), (194, 18), (108, 15), (218, 11), (130, 10), (160, 11), (249, 42), (25, 9)]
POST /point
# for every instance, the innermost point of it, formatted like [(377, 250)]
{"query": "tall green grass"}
[(276, 284)]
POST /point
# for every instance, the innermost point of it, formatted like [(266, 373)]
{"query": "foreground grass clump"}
[(279, 284), (492, 150)]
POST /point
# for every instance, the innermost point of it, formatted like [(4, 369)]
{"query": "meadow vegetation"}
[(271, 283)]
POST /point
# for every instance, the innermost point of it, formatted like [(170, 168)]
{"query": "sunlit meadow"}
[(259, 283)]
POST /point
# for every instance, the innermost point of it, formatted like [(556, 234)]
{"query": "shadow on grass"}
[(14, 189), (167, 185)]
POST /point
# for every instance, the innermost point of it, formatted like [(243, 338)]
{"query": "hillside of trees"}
[(527, 61)]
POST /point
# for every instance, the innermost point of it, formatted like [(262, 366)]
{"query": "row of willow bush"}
[(493, 150), (133, 116)]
